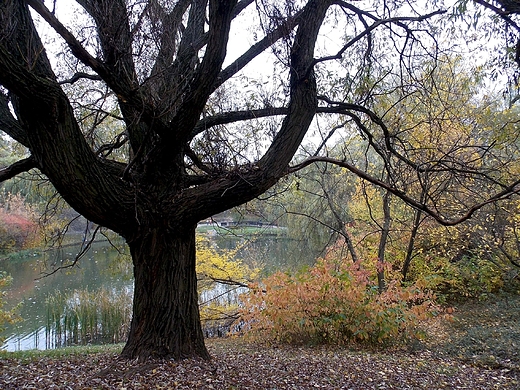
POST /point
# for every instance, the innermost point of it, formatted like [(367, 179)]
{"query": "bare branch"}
[(509, 190), (79, 76), (18, 167), (105, 150), (84, 249), (372, 27), (388, 138)]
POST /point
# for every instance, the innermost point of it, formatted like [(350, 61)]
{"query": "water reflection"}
[(100, 267), (106, 267)]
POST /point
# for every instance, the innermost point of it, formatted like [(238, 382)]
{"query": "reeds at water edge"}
[(83, 317)]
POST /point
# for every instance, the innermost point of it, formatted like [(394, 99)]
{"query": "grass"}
[(484, 333), (65, 352)]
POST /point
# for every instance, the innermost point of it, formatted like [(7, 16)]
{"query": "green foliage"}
[(6, 316), (469, 277), (334, 302)]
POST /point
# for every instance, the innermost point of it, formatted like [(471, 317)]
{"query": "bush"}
[(333, 303), (18, 229), (469, 277)]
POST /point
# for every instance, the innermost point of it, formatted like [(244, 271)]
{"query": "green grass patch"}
[(80, 350), (484, 333), (243, 230)]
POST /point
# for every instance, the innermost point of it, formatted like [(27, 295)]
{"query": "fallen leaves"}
[(472, 352), (240, 365)]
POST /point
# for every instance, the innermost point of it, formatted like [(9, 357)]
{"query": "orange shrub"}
[(16, 232), (333, 302)]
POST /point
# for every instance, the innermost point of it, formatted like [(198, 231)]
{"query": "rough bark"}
[(165, 321)]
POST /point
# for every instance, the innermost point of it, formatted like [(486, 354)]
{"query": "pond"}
[(104, 267)]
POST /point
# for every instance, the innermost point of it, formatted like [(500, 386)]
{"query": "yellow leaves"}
[(213, 265), (218, 268)]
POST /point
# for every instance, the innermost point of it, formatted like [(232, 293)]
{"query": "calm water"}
[(100, 267), (105, 266)]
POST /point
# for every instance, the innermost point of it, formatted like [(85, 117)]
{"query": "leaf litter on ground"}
[(471, 352)]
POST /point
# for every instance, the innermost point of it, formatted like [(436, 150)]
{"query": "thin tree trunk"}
[(382, 242), (411, 244), (413, 236), (341, 226), (350, 244), (165, 320)]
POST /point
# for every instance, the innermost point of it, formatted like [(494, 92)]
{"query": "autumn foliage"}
[(18, 226), (219, 274), (334, 302)]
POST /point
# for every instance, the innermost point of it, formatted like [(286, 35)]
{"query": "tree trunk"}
[(411, 243), (385, 230), (165, 320)]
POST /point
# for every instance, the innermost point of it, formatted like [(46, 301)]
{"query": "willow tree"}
[(160, 71)]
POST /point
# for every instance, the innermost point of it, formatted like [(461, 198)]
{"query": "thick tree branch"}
[(119, 75), (236, 116), (76, 47), (54, 137), (195, 159), (80, 76), (18, 167), (246, 182), (201, 85), (303, 103), (170, 24), (115, 38), (270, 38), (9, 124)]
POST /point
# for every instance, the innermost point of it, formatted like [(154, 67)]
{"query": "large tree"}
[(160, 71)]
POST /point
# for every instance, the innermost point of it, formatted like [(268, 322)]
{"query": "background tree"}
[(455, 143)]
